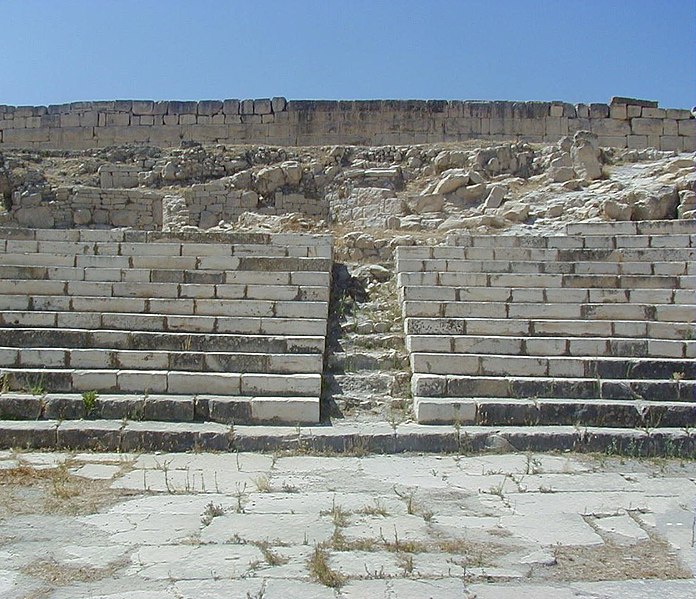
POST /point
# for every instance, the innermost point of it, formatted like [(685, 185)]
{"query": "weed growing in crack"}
[(89, 401), (377, 509), (271, 557), (240, 496), (321, 571), (211, 512), (263, 484)]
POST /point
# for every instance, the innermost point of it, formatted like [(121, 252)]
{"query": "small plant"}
[(89, 400), (240, 495), (5, 383), (320, 570), (533, 465), (409, 498), (339, 516), (375, 510), (211, 512), (38, 387), (271, 557), (263, 484), (405, 562)]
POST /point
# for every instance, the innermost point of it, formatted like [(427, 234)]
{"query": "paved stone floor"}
[(261, 526)]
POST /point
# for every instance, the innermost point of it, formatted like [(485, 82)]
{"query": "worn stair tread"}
[(195, 361), (155, 407), (496, 411), (564, 295), (532, 310), (450, 385), (557, 366), (546, 328), (161, 381), (173, 306), (117, 339), (551, 346), (163, 322)]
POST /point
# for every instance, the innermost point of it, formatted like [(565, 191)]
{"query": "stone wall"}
[(81, 206), (624, 123)]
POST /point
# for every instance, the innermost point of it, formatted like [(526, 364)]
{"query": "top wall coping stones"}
[(477, 108)]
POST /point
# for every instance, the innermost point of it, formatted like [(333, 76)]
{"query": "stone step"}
[(549, 328), (628, 254), (16, 268), (535, 366), (300, 293), (490, 411), (67, 248), (158, 407), (536, 280), (164, 323), (157, 340), (641, 227), (278, 246), (168, 262), (683, 266), (192, 361), (445, 386), (152, 237), (552, 346), (168, 306), (548, 296), (156, 381), (121, 436), (583, 311)]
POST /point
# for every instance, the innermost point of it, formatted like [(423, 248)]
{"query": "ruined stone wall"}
[(82, 206), (624, 123)]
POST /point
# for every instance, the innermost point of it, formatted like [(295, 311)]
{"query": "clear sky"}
[(56, 51)]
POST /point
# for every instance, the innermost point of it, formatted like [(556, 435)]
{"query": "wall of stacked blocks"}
[(623, 123)]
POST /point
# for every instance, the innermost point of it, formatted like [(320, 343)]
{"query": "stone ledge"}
[(348, 438)]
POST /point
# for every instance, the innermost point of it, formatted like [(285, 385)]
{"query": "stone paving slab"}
[(291, 525)]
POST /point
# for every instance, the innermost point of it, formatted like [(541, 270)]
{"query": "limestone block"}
[(646, 126), (688, 144), (143, 107), (180, 108), (670, 143), (599, 111), (670, 127), (652, 112), (618, 111), (246, 107), (171, 119), (610, 127), (187, 119), (115, 119), (230, 107), (637, 142), (209, 107), (555, 127), (262, 106), (18, 137), (582, 111), (633, 111), (283, 409), (39, 217), (278, 104), (687, 128)]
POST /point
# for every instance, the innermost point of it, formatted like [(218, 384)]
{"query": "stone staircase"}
[(118, 324), (591, 328)]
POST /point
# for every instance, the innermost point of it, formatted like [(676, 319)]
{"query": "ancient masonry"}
[(117, 308), (624, 123)]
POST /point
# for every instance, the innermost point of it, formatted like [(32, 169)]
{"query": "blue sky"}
[(55, 51)]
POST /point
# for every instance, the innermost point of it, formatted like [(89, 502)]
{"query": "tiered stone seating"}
[(163, 327), (594, 327)]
